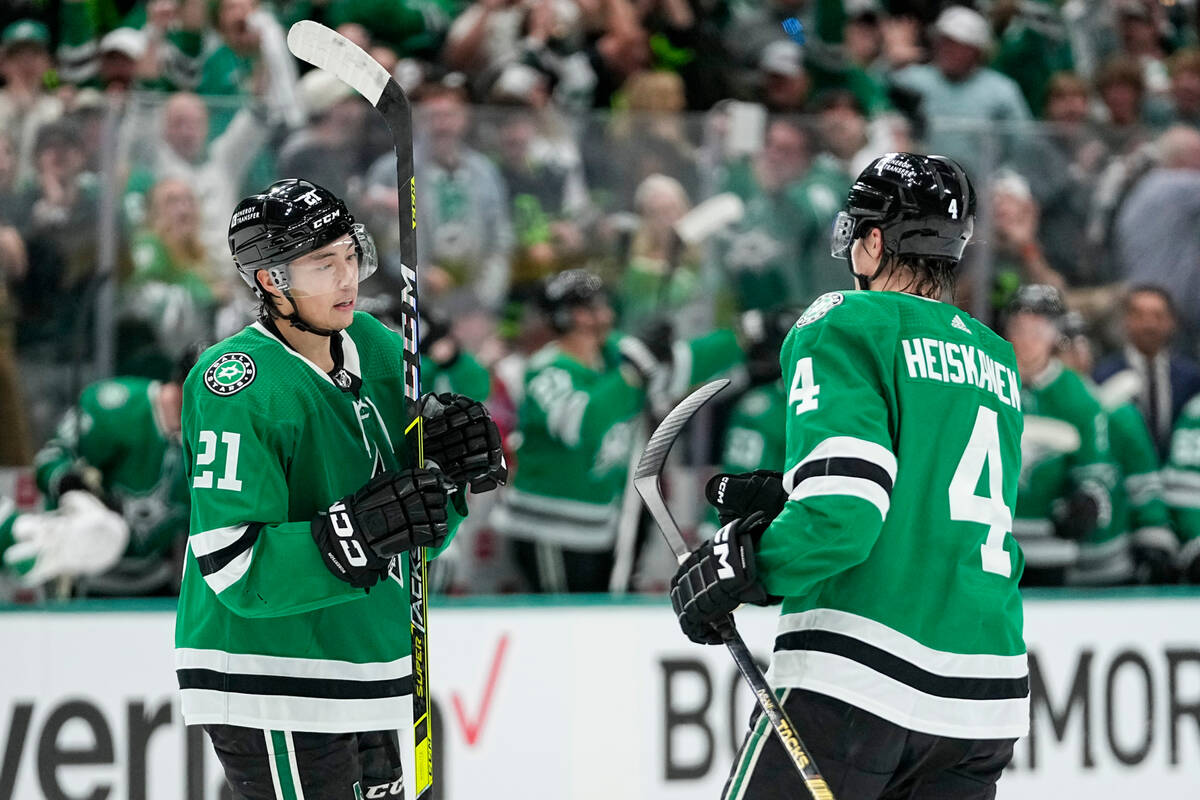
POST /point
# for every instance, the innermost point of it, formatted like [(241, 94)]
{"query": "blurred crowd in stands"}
[(576, 134)]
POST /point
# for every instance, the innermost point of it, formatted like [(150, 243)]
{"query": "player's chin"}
[(342, 314)]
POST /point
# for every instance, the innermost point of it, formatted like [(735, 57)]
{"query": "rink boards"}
[(594, 700)]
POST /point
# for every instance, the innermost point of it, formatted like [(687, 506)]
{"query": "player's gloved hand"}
[(1081, 512), (463, 441), (1188, 563), (717, 577), (437, 342), (647, 357), (736, 495), (393, 512), (1154, 552), (81, 537)]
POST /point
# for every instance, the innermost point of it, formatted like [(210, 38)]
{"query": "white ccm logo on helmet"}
[(325, 220), (721, 550)]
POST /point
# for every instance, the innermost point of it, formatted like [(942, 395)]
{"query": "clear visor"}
[(336, 266), (843, 235)]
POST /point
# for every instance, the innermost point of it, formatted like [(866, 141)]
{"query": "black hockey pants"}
[(287, 765), (863, 757)]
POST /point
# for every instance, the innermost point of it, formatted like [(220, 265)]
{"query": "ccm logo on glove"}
[(342, 527)]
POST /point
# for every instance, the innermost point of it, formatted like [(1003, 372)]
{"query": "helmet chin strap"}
[(294, 318)]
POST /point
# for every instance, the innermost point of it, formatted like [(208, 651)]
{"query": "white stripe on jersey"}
[(277, 712), (844, 485), (288, 667), (208, 542), (846, 447), (231, 573)]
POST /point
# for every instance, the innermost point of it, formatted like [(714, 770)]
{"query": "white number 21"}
[(208, 453)]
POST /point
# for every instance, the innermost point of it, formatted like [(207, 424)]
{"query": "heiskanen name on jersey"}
[(961, 364)]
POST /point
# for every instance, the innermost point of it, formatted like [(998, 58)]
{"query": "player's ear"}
[(267, 283), (873, 242)]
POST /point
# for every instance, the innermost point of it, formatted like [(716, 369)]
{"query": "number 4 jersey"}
[(894, 553)]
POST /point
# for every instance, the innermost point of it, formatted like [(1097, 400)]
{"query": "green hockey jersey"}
[(575, 426), (116, 429), (266, 636), (1140, 513), (894, 554), (1065, 449), (1181, 480)]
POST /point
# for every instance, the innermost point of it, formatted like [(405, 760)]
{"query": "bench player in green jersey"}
[(292, 635), (899, 653), (583, 393), (1181, 479)]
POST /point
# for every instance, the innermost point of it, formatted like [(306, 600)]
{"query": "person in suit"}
[(1165, 380)]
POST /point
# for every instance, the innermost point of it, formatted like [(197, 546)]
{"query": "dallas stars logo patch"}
[(230, 373), (819, 308)]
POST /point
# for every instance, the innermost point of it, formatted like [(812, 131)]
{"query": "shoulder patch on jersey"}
[(112, 395), (819, 308), (230, 373)]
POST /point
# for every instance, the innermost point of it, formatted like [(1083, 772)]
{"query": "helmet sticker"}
[(819, 308), (230, 373)]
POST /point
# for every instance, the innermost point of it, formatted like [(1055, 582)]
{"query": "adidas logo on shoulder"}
[(958, 323)]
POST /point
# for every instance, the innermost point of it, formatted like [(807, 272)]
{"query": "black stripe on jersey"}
[(844, 467), (904, 671), (322, 688), (217, 560)]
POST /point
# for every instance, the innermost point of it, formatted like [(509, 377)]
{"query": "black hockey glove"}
[(463, 441), (717, 577), (741, 494), (1154, 552), (1081, 512), (648, 355), (393, 512)]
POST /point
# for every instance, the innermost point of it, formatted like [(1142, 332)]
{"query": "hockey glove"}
[(740, 495), (81, 537), (463, 441), (392, 513), (716, 578), (1085, 509), (1154, 552)]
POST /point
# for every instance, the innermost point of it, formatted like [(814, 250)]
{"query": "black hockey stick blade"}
[(645, 478)]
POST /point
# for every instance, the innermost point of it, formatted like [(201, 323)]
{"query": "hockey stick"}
[(329, 50), (646, 482)]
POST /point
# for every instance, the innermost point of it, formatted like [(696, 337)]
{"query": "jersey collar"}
[(345, 358)]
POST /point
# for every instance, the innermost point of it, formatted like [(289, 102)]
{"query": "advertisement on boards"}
[(590, 702)]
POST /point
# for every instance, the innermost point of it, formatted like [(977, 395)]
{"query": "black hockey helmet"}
[(572, 288), (924, 205), (291, 218)]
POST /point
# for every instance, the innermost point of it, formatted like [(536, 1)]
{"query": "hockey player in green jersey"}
[(121, 443), (1064, 518), (1181, 479), (583, 393), (1140, 514), (292, 636), (754, 437), (899, 652)]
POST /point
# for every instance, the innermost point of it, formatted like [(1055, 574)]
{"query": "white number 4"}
[(208, 453), (983, 452), (804, 391), (953, 209)]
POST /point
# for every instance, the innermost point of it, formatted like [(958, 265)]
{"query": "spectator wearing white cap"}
[(957, 85), (25, 105), (161, 54), (785, 84)]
